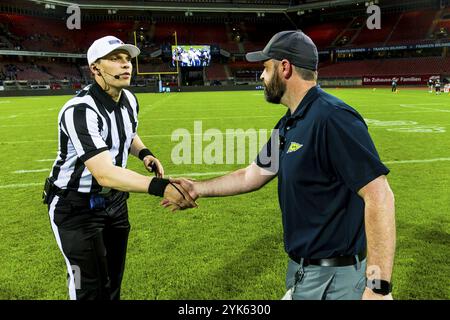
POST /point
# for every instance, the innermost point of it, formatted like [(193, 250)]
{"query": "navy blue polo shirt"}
[(326, 156)]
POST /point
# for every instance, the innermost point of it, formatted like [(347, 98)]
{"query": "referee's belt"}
[(81, 196), (340, 261)]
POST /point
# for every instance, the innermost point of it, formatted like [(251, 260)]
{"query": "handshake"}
[(180, 194)]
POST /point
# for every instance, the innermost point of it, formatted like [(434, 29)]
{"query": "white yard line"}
[(26, 125), (142, 136), (31, 171), (200, 174), (27, 141), (416, 161), (215, 118), (234, 133), (21, 185), (154, 119), (398, 112), (189, 174), (416, 106)]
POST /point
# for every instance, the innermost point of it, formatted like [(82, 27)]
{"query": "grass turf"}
[(228, 248)]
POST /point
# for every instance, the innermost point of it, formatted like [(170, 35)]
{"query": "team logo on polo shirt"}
[(294, 147)]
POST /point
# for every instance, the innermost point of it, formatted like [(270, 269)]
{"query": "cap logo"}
[(115, 41)]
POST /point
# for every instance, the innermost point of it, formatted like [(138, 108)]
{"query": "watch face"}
[(379, 286)]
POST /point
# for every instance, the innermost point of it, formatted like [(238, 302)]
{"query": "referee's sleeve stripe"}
[(92, 153), (84, 129), (69, 120), (136, 100), (94, 124)]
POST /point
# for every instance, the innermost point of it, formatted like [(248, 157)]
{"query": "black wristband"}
[(145, 152), (157, 186)]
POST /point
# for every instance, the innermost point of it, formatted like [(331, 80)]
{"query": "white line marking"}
[(414, 106), (199, 174), (30, 171), (142, 136), (423, 104), (216, 118), (155, 119), (20, 185), (27, 125), (9, 117), (398, 112), (28, 141), (417, 161), (421, 129), (45, 160), (201, 134), (190, 174)]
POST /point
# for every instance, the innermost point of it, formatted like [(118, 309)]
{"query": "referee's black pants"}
[(93, 243)]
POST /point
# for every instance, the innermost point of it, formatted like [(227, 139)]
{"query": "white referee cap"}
[(101, 47)]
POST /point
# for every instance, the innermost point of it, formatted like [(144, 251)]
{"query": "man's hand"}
[(153, 165), (370, 295), (176, 198), (188, 185)]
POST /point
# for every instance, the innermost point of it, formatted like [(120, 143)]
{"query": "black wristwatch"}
[(379, 286)]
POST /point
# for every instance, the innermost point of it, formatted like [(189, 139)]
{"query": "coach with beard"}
[(337, 207)]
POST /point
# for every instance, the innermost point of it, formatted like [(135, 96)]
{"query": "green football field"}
[(227, 248)]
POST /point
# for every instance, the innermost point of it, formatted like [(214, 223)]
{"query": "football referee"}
[(89, 184)]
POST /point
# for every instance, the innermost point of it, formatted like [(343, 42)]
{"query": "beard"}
[(275, 89)]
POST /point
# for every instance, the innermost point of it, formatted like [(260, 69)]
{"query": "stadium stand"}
[(325, 34), (412, 26), (234, 38), (366, 37), (216, 72), (406, 66), (41, 34)]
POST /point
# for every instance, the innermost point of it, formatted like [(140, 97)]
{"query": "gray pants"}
[(326, 283)]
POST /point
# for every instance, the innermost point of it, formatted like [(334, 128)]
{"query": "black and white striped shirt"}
[(88, 124)]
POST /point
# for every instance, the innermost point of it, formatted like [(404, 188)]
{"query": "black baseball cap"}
[(292, 45)]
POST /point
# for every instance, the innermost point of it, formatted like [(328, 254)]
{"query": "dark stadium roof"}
[(272, 6), (296, 12)]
